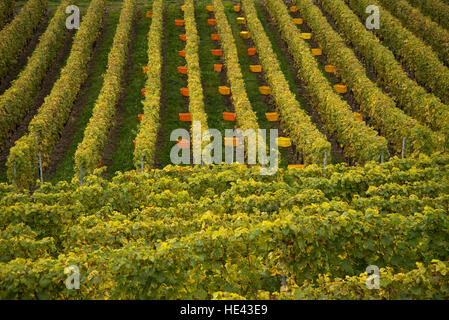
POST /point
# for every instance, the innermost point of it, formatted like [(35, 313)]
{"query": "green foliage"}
[(311, 143), (414, 99), (146, 138), (360, 142), (224, 232), (90, 151), (391, 122), (6, 11), (18, 99), (16, 34), (45, 128)]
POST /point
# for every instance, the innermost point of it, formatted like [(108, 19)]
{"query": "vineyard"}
[(89, 123)]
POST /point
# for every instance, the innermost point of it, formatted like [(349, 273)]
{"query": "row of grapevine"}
[(414, 99), (90, 150), (438, 10), (419, 57), (6, 11), (391, 122), (245, 116), (429, 31), (177, 190), (241, 252), (45, 128), (196, 97), (392, 286), (311, 143), (16, 34), (147, 135), (18, 99), (360, 142)]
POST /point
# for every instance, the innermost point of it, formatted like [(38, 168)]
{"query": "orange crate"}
[(144, 91), (182, 70), (186, 117), (272, 116), (185, 92), (149, 14), (218, 67), (182, 8), (211, 22), (341, 88), (236, 8), (183, 37), (215, 36), (140, 117), (293, 9), (179, 23), (255, 68), (183, 144), (265, 90), (306, 36), (144, 69), (298, 21), (317, 52), (134, 143), (252, 51), (182, 53), (217, 52), (229, 116), (330, 68), (245, 34), (224, 91)]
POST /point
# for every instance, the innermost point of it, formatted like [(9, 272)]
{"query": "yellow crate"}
[(182, 8), (293, 9), (306, 36), (296, 166), (272, 116), (241, 20), (210, 8), (330, 68), (317, 52), (284, 142), (245, 34), (298, 21), (224, 91), (265, 90), (255, 68), (341, 88)]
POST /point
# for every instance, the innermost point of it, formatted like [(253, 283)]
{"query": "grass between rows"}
[(251, 80), (174, 102), (122, 158)]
